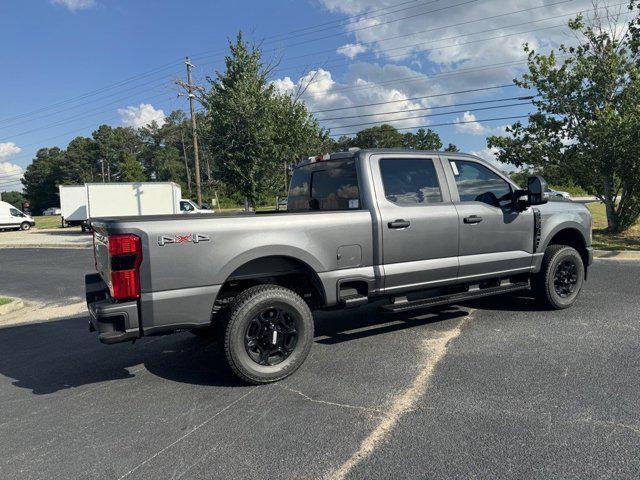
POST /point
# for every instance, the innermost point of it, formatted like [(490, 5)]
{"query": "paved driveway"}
[(493, 389)]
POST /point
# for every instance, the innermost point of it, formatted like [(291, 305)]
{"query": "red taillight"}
[(125, 255), (123, 245)]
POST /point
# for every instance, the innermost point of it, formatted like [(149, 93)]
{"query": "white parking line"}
[(435, 349)]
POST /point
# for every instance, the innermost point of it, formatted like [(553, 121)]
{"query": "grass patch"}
[(4, 301), (48, 221), (602, 240)]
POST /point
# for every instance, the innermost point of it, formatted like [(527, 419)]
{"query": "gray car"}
[(412, 229)]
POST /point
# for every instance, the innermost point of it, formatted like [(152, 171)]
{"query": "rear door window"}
[(330, 185), (410, 181)]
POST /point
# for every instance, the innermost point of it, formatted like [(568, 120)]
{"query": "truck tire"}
[(268, 334), (25, 226), (560, 279)]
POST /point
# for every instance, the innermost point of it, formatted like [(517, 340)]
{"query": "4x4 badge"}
[(188, 238)]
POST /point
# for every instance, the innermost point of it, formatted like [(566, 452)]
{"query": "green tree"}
[(131, 170), (588, 119), (42, 177), (451, 148), (422, 140), (251, 130), (81, 163), (113, 145), (14, 198), (382, 136)]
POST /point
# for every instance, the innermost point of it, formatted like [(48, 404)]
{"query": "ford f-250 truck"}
[(410, 228)]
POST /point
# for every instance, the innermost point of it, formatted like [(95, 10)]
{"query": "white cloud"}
[(74, 5), (284, 85), (351, 50), (141, 116), (8, 149), (476, 128), (454, 34), (10, 175), (364, 84)]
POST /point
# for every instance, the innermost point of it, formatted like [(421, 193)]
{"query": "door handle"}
[(472, 219), (399, 224)]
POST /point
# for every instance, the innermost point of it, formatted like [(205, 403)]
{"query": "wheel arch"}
[(284, 270), (571, 236)]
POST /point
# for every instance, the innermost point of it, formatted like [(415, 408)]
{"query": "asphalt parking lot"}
[(491, 389)]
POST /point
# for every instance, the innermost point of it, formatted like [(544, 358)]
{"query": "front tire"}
[(24, 226), (268, 335), (560, 279)]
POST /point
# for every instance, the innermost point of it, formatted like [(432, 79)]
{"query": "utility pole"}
[(102, 165), (190, 88)]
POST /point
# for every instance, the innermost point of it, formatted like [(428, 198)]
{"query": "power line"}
[(337, 23), (441, 47), (147, 89), (479, 102), (482, 89), (64, 121), (148, 73), (415, 78), (434, 115), (11, 175), (440, 124), (345, 21), (422, 43), (443, 27), (369, 26), (437, 47), (91, 93)]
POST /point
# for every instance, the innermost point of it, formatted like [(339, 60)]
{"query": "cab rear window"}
[(330, 185)]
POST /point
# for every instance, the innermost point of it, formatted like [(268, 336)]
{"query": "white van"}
[(12, 218)]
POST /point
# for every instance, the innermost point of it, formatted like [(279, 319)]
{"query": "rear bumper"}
[(114, 322)]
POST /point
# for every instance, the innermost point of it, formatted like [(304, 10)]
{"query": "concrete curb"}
[(11, 307), (617, 254)]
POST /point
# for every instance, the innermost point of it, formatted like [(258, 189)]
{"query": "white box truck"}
[(79, 203), (73, 205), (132, 199)]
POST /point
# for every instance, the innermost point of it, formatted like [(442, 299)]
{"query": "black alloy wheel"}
[(268, 333), (272, 336), (566, 278), (561, 276)]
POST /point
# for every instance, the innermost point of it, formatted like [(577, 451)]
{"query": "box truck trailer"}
[(132, 199), (73, 205), (79, 203)]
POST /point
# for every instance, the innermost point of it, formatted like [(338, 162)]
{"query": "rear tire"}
[(560, 279), (268, 334), (24, 226)]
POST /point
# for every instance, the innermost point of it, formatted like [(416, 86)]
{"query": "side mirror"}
[(535, 190)]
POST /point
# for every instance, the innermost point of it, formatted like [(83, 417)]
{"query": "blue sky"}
[(70, 65)]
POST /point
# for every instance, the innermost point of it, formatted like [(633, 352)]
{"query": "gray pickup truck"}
[(407, 229)]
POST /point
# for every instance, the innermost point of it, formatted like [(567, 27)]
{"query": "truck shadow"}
[(58, 355), (509, 302), (366, 322)]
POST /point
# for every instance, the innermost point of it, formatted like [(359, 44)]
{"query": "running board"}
[(403, 305), (351, 301), (350, 298)]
